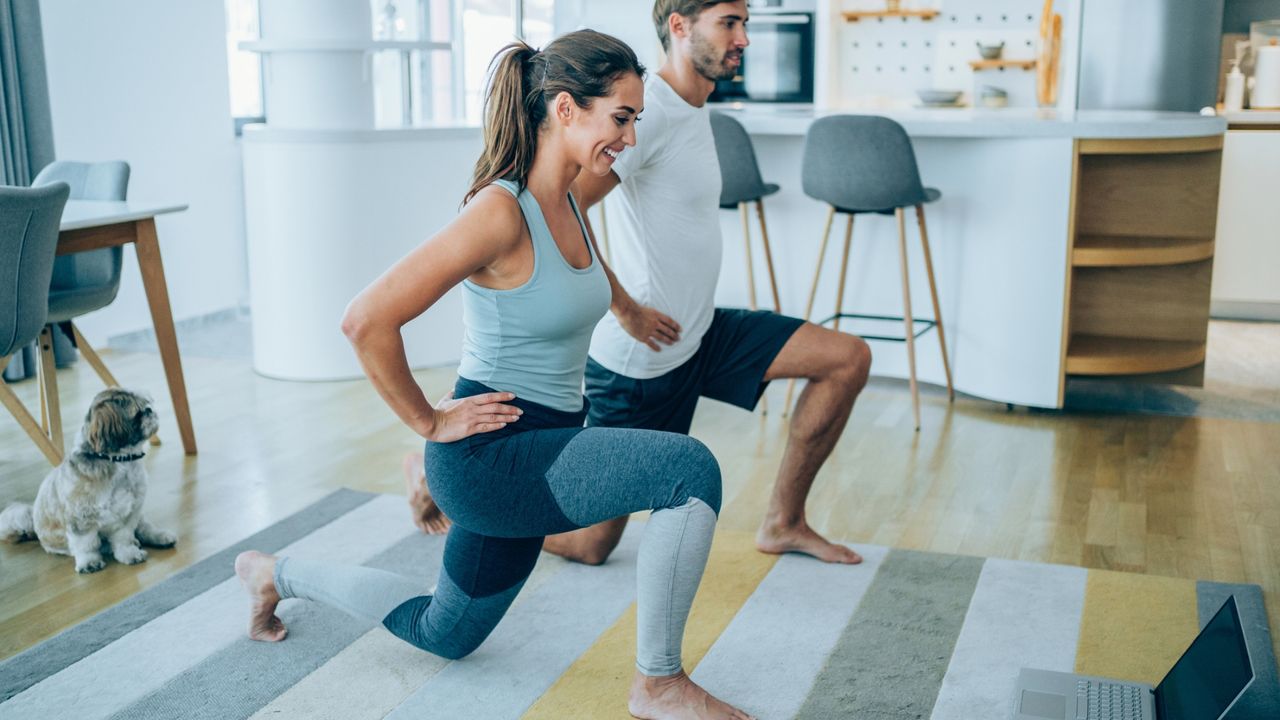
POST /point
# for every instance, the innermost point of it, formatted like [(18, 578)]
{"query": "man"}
[(666, 244)]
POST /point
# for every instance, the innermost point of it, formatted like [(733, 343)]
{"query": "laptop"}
[(1203, 685)]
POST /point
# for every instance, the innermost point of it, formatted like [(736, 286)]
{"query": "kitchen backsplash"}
[(886, 60)]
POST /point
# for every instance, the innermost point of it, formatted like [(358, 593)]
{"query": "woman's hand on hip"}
[(457, 419)]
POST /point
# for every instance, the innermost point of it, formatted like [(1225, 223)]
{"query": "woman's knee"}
[(699, 473)]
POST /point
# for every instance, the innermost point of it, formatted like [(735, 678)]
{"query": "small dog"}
[(96, 493)]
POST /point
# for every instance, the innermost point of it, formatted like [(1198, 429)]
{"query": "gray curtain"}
[(26, 127)]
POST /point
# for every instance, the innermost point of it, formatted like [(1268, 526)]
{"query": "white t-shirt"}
[(664, 231)]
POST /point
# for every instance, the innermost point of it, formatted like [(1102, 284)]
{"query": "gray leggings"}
[(505, 491)]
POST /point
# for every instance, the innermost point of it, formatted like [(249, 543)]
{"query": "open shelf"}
[(1103, 355), (856, 15), (1118, 251), (1002, 64)]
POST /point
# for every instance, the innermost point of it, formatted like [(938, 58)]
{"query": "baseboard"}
[(1235, 310), (148, 335)]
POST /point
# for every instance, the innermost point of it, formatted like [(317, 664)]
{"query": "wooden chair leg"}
[(813, 293), (28, 423), (906, 312), (49, 380), (44, 402), (768, 257), (91, 357), (933, 293)]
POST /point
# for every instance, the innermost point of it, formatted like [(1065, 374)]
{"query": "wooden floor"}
[(1187, 497)]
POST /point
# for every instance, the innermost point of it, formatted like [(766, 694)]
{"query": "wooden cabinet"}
[(1144, 216)]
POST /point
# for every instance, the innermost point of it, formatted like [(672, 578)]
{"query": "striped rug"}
[(905, 635)]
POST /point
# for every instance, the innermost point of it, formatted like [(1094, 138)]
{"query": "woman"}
[(507, 456)]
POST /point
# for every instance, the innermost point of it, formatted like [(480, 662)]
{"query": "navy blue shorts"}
[(729, 366)]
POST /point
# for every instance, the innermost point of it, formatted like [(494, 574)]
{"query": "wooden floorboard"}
[(1187, 497)]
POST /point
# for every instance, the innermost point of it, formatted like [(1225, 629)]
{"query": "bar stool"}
[(740, 184), (865, 164)]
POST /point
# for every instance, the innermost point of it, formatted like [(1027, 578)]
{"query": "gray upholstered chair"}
[(87, 281), (865, 164), (29, 220), (741, 184)]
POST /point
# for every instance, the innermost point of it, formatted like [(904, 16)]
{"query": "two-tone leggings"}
[(505, 491)]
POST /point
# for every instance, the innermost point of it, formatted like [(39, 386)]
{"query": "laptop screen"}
[(1210, 674)]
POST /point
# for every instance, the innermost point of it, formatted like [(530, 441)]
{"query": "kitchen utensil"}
[(991, 52), (993, 97), (939, 98)]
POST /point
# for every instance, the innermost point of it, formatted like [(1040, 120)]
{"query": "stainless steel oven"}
[(778, 65)]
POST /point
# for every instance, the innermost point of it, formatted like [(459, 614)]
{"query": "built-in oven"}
[(778, 66)]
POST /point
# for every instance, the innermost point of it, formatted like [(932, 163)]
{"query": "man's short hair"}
[(662, 10)]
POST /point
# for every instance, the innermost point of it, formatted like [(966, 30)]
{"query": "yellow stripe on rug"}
[(1134, 627), (596, 685)]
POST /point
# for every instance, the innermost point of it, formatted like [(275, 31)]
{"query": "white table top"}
[(94, 213)]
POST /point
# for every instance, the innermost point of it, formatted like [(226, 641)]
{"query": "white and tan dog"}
[(96, 493)]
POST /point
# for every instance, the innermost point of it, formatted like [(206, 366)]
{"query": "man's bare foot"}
[(776, 540), (257, 573), (426, 514), (676, 697)]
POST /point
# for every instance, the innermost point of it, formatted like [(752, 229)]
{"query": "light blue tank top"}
[(532, 340)]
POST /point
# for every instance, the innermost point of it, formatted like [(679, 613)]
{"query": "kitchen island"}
[(1063, 244)]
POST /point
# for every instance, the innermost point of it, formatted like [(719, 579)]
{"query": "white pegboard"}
[(885, 60)]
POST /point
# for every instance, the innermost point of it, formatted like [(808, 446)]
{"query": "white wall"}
[(628, 20), (146, 81)]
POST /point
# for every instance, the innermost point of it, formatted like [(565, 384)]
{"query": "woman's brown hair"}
[(524, 81)]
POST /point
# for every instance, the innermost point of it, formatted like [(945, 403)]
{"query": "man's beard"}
[(709, 62)]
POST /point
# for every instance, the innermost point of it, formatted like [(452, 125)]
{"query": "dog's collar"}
[(115, 458)]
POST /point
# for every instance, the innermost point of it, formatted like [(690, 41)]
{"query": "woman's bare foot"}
[(776, 539), (257, 573), (676, 697), (426, 514)]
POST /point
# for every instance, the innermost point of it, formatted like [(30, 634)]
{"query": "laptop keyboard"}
[(1107, 701)]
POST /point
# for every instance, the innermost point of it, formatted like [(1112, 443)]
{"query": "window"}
[(412, 85), (245, 68)]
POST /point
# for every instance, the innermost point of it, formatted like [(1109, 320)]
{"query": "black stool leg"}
[(906, 312), (933, 293)]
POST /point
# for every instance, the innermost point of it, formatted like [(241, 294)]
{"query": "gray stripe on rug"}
[(890, 659), (1262, 700), (75, 643), (246, 675)]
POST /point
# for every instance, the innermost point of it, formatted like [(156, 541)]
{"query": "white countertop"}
[(921, 122), (995, 123), (1253, 117)]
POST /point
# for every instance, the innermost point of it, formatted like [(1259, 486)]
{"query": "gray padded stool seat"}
[(740, 184), (29, 220), (865, 164)]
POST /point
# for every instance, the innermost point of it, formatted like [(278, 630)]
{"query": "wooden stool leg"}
[(933, 293), (28, 423), (746, 246), (906, 311), (604, 228), (768, 257), (813, 293), (844, 269), (49, 381)]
